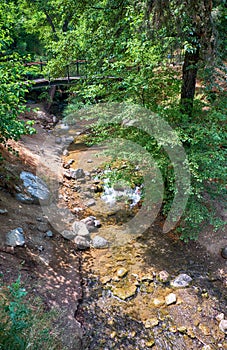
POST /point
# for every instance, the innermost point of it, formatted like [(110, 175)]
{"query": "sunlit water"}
[(112, 195)]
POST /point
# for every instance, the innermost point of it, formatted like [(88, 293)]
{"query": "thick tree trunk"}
[(190, 68)]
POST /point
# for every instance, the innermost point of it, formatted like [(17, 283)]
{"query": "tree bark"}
[(190, 68)]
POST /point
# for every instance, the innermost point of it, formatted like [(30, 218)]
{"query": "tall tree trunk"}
[(190, 68)]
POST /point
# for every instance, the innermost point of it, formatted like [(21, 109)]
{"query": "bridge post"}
[(41, 65), (77, 68), (68, 72)]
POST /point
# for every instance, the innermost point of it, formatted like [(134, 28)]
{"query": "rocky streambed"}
[(137, 290), (142, 291)]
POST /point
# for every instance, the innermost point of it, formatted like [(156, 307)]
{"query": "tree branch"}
[(49, 20)]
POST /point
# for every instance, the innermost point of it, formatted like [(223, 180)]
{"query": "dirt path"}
[(50, 268)]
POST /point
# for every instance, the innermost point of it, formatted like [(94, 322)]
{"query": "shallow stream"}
[(126, 286)]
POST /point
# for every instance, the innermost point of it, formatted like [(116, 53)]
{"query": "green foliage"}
[(130, 44), (204, 140), (13, 86), (12, 103), (126, 47), (24, 325), (121, 172)]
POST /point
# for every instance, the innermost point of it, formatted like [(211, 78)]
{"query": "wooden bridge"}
[(53, 81), (37, 83)]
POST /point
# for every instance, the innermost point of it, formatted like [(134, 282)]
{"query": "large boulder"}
[(23, 198), (36, 187)]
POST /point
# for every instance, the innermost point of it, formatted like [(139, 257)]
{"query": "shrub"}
[(24, 324)]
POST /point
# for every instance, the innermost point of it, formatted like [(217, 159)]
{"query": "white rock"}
[(3, 211), (88, 219), (97, 223), (223, 326), (80, 229), (99, 242), (163, 276), (65, 152), (181, 281), (171, 299), (63, 126), (220, 317)]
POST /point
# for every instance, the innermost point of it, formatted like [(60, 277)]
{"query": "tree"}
[(131, 43), (126, 45), (12, 87), (194, 34)]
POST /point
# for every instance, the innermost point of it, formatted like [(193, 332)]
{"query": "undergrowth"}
[(24, 323)]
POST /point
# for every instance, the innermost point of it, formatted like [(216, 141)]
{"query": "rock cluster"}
[(80, 234)]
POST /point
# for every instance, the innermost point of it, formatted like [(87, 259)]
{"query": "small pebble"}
[(97, 223), (122, 272), (150, 343), (3, 211), (170, 299), (82, 243), (163, 276), (100, 242), (90, 203), (223, 326), (65, 153), (49, 234), (151, 322), (224, 252), (182, 329)]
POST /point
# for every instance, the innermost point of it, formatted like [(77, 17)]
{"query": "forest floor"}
[(50, 267)]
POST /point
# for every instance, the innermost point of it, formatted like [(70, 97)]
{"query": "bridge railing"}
[(36, 69)]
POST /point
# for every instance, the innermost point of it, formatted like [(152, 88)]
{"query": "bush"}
[(24, 324), (12, 103)]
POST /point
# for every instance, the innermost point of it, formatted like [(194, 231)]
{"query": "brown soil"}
[(49, 267)]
